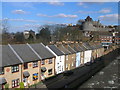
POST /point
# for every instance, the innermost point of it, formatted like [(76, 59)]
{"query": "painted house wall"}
[(87, 56), (82, 58), (78, 58), (63, 62), (59, 62)]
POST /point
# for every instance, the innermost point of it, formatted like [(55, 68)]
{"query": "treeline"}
[(46, 35)]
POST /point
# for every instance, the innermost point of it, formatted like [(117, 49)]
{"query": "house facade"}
[(82, 51), (87, 53), (66, 52), (25, 63), (72, 56), (78, 54), (47, 61), (10, 71), (31, 64), (60, 58)]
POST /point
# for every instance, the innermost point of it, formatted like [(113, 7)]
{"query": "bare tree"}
[(5, 33)]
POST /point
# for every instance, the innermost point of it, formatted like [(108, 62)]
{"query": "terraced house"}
[(47, 61), (82, 51), (66, 52), (21, 63), (79, 54), (10, 70), (60, 58), (31, 63), (30, 73), (72, 56)]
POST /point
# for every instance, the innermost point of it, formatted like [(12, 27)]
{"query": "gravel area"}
[(106, 78)]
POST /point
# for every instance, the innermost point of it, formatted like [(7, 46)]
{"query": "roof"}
[(25, 52), (87, 46), (55, 50), (78, 47), (70, 49), (74, 47), (8, 57), (82, 47), (43, 52), (63, 49)]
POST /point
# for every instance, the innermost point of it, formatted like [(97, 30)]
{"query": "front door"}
[(25, 81)]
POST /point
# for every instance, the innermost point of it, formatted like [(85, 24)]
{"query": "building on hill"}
[(29, 34), (89, 24)]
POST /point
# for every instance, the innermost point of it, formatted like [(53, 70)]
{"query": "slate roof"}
[(74, 47), (25, 52), (43, 52), (87, 46), (8, 57), (80, 49), (63, 49), (71, 49), (55, 50)]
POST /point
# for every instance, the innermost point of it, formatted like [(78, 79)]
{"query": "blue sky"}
[(31, 15)]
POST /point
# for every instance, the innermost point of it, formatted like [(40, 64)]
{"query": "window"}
[(25, 65), (1, 71), (35, 64), (67, 57), (35, 76), (66, 66), (15, 83), (72, 64), (50, 61), (43, 62), (15, 68), (49, 71)]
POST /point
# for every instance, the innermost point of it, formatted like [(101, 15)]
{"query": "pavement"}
[(108, 77)]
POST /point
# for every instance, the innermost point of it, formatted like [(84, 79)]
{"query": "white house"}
[(60, 58), (87, 53)]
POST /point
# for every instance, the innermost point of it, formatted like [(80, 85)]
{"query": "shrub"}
[(22, 85), (6, 86)]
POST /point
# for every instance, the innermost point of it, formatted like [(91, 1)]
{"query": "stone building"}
[(89, 24)]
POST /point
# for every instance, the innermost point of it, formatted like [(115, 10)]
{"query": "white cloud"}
[(65, 16), (42, 15), (56, 3), (32, 25), (80, 3), (19, 20), (19, 12), (61, 15), (109, 18), (105, 10)]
